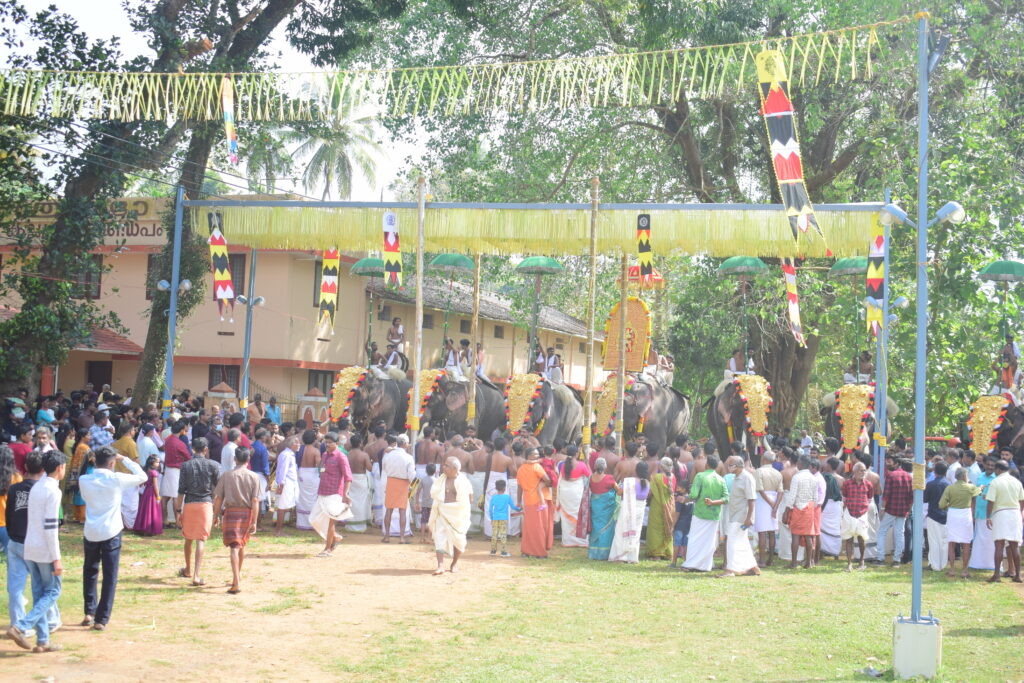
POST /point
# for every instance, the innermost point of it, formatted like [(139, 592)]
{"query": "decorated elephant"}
[(652, 409), (547, 410), (368, 396), (739, 412), (996, 423), (447, 407)]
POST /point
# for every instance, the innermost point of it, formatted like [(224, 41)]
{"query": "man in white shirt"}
[(42, 555), (227, 453), (399, 467), (103, 525), (952, 464)]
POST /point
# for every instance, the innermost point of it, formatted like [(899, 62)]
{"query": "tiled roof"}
[(102, 340), (492, 306)]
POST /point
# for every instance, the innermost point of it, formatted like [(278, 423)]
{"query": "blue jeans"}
[(4, 539), (17, 577), (108, 555), (45, 592), (898, 525)]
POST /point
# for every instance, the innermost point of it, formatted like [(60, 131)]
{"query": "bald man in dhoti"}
[(452, 495), (361, 491)]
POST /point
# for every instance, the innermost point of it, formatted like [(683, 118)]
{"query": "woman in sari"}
[(531, 477), (626, 543), (603, 505), (662, 517), (573, 496)]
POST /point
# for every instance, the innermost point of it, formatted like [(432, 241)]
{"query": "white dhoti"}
[(763, 520), (853, 527), (361, 495), (309, 482), (492, 488), (959, 525), (626, 542), (377, 508), (873, 521), (288, 496), (263, 485), (327, 508), (937, 554), (476, 522), (784, 542), (831, 528), (570, 497), (515, 524), (169, 489), (983, 549), (1007, 525), (701, 544), (130, 507), (449, 524), (739, 554)]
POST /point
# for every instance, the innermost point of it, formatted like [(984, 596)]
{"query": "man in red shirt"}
[(22, 447), (897, 498), (857, 494), (176, 453)]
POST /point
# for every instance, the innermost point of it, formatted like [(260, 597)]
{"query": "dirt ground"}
[(297, 616)]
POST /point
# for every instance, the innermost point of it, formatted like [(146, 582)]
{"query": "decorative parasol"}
[(452, 264), (633, 279), (538, 266), (854, 265), (370, 267), (743, 266), (1005, 272)]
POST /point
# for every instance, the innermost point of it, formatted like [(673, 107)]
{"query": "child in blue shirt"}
[(498, 509)]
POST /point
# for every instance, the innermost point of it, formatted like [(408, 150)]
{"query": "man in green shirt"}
[(1005, 498), (957, 500), (708, 494)]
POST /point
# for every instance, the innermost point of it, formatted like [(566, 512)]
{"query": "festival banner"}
[(643, 248), (876, 278), (793, 301), (392, 256), (223, 289), (638, 336), (329, 287), (227, 97)]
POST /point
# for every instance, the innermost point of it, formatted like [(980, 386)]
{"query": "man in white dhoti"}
[(766, 506), (832, 509), (286, 481), (361, 491), (958, 502), (1005, 498), (983, 549), (739, 556), (857, 493), (708, 494), (451, 494), (935, 518), (498, 465)]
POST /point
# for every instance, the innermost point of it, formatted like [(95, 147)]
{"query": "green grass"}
[(571, 619)]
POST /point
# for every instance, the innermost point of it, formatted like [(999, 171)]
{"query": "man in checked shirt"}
[(897, 498)]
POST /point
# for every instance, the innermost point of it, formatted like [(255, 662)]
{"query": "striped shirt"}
[(41, 542)]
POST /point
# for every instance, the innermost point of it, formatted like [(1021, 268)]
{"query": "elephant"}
[(379, 399), (727, 410), (666, 413), (833, 427), (447, 407), (1010, 435), (560, 409)]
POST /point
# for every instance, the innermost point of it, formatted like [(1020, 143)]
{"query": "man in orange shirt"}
[(530, 478)]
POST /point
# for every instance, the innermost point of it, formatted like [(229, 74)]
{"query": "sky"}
[(106, 18)]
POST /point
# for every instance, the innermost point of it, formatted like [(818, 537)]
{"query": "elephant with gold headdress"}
[(739, 412)]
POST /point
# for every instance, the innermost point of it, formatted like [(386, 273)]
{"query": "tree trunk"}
[(788, 368)]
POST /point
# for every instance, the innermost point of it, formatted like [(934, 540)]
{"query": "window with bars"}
[(428, 321), (499, 331), (322, 380), (465, 326), (229, 374), (318, 272), (88, 285)]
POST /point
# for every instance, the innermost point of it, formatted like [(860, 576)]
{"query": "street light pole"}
[(249, 303)]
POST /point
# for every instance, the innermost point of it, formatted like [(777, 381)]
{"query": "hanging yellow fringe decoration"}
[(616, 80)]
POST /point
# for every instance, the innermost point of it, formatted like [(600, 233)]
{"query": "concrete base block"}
[(916, 647)]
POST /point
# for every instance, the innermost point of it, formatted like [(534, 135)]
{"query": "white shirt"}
[(973, 472), (41, 542), (803, 489), (227, 457), (397, 464), (807, 442), (951, 472), (102, 493), (147, 447)]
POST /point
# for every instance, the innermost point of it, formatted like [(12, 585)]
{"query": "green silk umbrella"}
[(854, 265), (1005, 272), (538, 266), (743, 266), (452, 264), (370, 267)]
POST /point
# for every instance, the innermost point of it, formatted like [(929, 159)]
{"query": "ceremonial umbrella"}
[(452, 264), (850, 267), (1005, 272), (370, 267), (743, 266), (538, 266)]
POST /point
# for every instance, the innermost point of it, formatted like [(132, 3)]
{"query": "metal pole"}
[(417, 340), (920, 371), (172, 313), (620, 421), (244, 402), (471, 408), (534, 325), (588, 393), (882, 372)]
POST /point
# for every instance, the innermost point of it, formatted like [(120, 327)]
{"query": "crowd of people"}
[(103, 463)]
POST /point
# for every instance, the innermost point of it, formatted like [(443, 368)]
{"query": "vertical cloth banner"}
[(392, 256), (638, 336), (643, 248), (223, 288), (329, 287), (793, 301), (227, 98), (876, 278), (780, 123)]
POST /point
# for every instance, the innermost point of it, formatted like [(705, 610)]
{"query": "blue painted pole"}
[(920, 371), (882, 359), (172, 313), (244, 402)]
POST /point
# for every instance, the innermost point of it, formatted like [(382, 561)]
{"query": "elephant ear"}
[(643, 396), (454, 397), (375, 392), (724, 404)]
